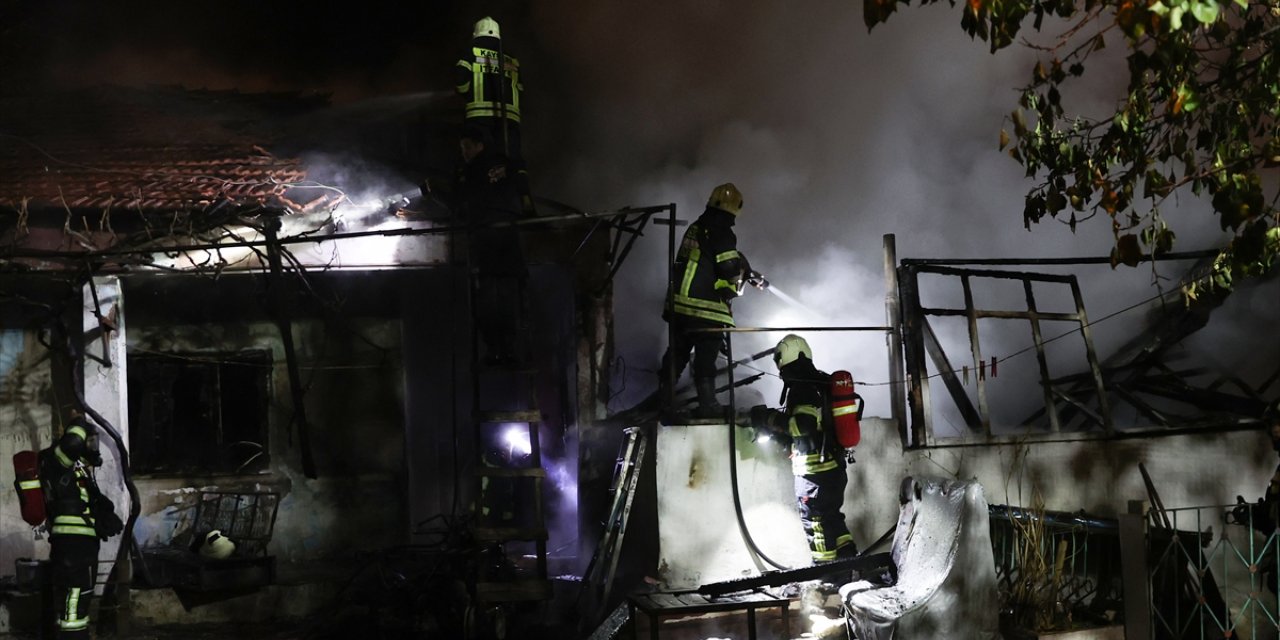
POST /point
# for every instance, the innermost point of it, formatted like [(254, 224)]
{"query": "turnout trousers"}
[(73, 564), (704, 345), (820, 497)]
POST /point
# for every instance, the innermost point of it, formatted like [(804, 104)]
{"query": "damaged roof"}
[(150, 151)]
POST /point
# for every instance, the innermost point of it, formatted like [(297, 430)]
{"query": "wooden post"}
[(1134, 573), (893, 318)]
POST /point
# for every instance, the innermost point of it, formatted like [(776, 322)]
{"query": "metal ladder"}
[(598, 578)]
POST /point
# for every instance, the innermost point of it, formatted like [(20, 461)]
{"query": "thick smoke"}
[(836, 137)]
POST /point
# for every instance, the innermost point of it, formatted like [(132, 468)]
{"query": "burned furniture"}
[(247, 519)]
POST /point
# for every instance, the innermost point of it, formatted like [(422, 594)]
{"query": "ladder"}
[(600, 572), (509, 505)]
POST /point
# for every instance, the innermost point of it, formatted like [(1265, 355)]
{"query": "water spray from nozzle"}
[(782, 295)]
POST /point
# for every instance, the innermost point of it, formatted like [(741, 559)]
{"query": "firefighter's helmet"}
[(726, 197), (217, 546), (789, 348), (486, 27)]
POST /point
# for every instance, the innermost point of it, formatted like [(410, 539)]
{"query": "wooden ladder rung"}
[(504, 472), (525, 415)]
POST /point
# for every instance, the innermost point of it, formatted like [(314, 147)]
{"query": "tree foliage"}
[(1201, 113)]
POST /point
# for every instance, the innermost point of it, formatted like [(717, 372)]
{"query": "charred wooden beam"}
[(279, 313)]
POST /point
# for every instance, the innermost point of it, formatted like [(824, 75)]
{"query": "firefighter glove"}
[(106, 522), (761, 417)]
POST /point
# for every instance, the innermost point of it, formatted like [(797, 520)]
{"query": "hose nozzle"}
[(757, 280)]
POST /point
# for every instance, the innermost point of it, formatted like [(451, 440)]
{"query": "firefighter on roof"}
[(492, 90), (709, 272), (79, 515), (817, 459)]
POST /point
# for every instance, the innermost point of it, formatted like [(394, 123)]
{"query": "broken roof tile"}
[(153, 151)]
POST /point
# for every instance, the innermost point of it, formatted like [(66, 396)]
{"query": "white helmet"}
[(789, 348), (486, 26), (217, 546)]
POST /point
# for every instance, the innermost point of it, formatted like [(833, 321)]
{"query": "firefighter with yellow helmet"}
[(709, 272)]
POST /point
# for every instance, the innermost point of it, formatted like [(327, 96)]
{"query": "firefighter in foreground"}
[(817, 458), (79, 516), (709, 273), (492, 90)]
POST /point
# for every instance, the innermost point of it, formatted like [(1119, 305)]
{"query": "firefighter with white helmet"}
[(709, 272), (489, 78), (817, 459)]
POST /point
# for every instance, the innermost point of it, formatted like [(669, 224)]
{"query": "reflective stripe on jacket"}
[(66, 486), (477, 79), (813, 450), (708, 269)]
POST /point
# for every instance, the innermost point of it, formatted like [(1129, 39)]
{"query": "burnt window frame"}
[(215, 453)]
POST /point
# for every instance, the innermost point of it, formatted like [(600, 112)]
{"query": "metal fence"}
[(1055, 570), (1213, 574)]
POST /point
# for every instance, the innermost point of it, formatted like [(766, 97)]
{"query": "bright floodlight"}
[(516, 437)]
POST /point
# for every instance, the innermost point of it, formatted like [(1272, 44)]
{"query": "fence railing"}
[(1055, 571), (1214, 574)]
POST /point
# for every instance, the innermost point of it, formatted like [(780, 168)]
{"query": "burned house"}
[(229, 299), (273, 342)]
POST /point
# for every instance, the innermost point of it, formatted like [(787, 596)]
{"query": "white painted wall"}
[(699, 535), (25, 415), (106, 390)]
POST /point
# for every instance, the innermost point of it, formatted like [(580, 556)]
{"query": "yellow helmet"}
[(486, 26), (789, 348), (726, 197)]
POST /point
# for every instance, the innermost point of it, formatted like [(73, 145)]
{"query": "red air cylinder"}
[(846, 408), (26, 473)]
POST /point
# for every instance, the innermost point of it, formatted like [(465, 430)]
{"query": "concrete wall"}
[(699, 538), (353, 405), (699, 534), (354, 402), (25, 414)]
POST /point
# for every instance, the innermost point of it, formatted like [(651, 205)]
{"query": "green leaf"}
[(1205, 12)]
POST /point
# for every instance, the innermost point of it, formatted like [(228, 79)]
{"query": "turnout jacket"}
[(708, 269), (477, 78), (805, 419), (69, 490)]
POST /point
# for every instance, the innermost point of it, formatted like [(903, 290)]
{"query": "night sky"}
[(835, 136)]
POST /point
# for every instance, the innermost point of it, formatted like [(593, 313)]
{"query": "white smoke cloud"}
[(836, 137)]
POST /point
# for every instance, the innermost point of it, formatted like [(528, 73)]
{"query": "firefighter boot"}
[(708, 406)]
